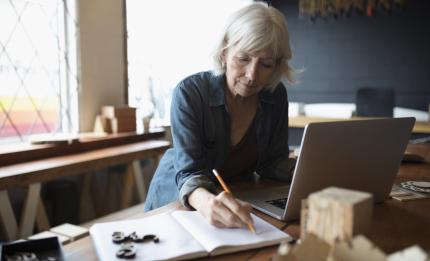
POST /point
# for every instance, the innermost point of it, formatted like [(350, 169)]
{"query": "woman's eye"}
[(267, 65), (243, 59)]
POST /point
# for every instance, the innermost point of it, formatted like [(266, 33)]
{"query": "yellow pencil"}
[(224, 186)]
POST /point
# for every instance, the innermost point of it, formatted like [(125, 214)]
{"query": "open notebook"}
[(184, 234)]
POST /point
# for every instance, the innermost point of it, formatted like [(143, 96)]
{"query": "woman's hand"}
[(222, 210)]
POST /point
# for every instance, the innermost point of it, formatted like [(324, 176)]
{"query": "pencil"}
[(224, 186)]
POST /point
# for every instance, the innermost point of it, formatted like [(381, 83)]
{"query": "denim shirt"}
[(201, 139)]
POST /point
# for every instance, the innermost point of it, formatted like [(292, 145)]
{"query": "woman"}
[(234, 119)]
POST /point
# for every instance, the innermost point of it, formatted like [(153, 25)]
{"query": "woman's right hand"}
[(222, 210)]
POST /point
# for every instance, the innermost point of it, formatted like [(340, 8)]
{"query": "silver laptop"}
[(361, 155)]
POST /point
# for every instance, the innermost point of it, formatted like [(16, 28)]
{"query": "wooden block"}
[(101, 125), (311, 248), (72, 231), (359, 248), (409, 254), (118, 125), (336, 214), (303, 218), (118, 112), (63, 239)]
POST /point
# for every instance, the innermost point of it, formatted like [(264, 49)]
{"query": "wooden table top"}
[(395, 226)]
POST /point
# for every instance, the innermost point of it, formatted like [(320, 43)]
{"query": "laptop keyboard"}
[(280, 203)]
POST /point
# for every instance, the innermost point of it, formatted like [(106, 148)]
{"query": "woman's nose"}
[(252, 71)]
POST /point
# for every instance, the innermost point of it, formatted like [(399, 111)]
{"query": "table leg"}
[(28, 216), (87, 211), (127, 189), (42, 220), (140, 182), (132, 176), (7, 216)]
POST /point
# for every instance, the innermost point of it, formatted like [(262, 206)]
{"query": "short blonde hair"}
[(254, 28)]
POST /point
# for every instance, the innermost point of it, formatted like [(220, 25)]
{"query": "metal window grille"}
[(38, 72)]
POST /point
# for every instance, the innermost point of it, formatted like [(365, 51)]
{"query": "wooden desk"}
[(396, 225), (31, 174), (302, 121)]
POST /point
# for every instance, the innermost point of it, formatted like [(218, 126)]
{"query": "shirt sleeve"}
[(190, 160), (278, 165)]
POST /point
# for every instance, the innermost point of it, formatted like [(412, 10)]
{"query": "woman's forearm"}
[(199, 198)]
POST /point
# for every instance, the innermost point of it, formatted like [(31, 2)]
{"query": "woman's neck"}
[(235, 100)]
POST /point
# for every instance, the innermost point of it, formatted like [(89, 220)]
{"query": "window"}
[(167, 42), (38, 79)]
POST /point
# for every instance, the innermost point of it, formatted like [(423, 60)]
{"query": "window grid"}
[(39, 81)]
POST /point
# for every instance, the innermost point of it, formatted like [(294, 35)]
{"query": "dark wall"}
[(381, 51)]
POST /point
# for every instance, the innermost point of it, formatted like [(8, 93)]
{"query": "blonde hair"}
[(254, 28)]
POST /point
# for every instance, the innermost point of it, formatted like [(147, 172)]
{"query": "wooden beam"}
[(42, 220), (28, 216), (7, 216), (127, 188), (138, 178)]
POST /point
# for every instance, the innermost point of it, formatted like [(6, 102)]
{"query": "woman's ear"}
[(223, 57)]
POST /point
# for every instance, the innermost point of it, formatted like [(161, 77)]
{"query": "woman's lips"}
[(246, 84)]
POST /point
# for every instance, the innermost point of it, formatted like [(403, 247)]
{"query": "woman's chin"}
[(246, 92)]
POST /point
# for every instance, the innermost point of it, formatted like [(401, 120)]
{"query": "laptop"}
[(361, 155)]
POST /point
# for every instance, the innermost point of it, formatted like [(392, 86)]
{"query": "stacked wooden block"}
[(333, 222), (336, 214), (116, 119)]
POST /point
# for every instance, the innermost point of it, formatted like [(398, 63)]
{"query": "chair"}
[(374, 102)]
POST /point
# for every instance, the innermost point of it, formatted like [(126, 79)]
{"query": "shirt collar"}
[(217, 84)]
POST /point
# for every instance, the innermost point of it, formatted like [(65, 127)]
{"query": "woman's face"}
[(247, 74)]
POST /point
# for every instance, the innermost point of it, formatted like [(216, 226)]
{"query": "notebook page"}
[(212, 237), (174, 240)]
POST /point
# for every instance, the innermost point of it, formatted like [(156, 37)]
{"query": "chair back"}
[(374, 102)]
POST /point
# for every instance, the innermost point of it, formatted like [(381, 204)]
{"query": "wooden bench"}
[(31, 174)]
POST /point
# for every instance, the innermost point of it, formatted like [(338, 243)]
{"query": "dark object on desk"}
[(420, 140), (412, 158), (120, 237), (45, 249), (374, 102), (417, 186), (127, 250)]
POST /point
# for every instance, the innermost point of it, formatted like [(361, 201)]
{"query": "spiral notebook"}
[(184, 235)]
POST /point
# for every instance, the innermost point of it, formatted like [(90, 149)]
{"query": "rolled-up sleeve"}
[(193, 183)]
